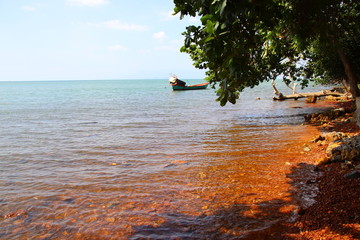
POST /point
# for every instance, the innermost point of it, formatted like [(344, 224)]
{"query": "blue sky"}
[(92, 39)]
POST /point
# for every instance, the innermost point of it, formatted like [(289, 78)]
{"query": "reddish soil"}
[(336, 213)]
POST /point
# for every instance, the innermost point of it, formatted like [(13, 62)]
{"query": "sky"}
[(92, 39)]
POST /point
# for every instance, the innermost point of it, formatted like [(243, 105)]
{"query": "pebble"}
[(352, 175), (202, 175), (306, 148), (110, 219)]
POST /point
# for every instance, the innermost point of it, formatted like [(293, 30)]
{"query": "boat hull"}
[(190, 87)]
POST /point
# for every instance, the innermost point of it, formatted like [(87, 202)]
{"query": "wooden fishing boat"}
[(177, 84), (190, 87)]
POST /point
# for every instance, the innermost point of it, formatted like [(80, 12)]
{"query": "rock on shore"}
[(336, 214)]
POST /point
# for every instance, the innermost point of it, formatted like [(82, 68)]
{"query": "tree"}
[(333, 53), (242, 43)]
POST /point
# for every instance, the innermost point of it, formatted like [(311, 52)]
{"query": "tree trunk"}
[(352, 81), (357, 112), (350, 74)]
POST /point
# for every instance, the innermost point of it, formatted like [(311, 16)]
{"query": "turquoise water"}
[(94, 159)]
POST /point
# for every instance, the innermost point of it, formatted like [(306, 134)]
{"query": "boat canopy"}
[(172, 80)]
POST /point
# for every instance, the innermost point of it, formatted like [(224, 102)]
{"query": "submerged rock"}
[(306, 148), (311, 99), (352, 175), (325, 117)]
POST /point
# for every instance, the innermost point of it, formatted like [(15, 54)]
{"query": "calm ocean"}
[(132, 159)]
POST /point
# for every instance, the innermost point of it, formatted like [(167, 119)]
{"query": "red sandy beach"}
[(336, 212)]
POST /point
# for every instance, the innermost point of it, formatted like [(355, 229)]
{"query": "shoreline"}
[(335, 214), (267, 211)]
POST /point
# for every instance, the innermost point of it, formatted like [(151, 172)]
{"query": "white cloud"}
[(28, 8), (160, 36), (118, 25), (117, 47), (90, 3)]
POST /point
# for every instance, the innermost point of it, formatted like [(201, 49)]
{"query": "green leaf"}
[(183, 49), (209, 27), (208, 39), (222, 8), (245, 42)]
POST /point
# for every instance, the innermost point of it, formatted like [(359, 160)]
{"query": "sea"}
[(133, 159)]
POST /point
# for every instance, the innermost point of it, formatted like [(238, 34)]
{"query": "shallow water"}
[(132, 159)]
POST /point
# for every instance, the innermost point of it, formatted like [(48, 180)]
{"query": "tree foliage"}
[(242, 43), (323, 54)]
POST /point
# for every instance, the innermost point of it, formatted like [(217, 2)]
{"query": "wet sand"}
[(336, 211)]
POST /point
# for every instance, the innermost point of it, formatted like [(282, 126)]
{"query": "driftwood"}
[(306, 95), (310, 97)]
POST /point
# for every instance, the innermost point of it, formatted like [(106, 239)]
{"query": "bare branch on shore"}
[(312, 94)]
